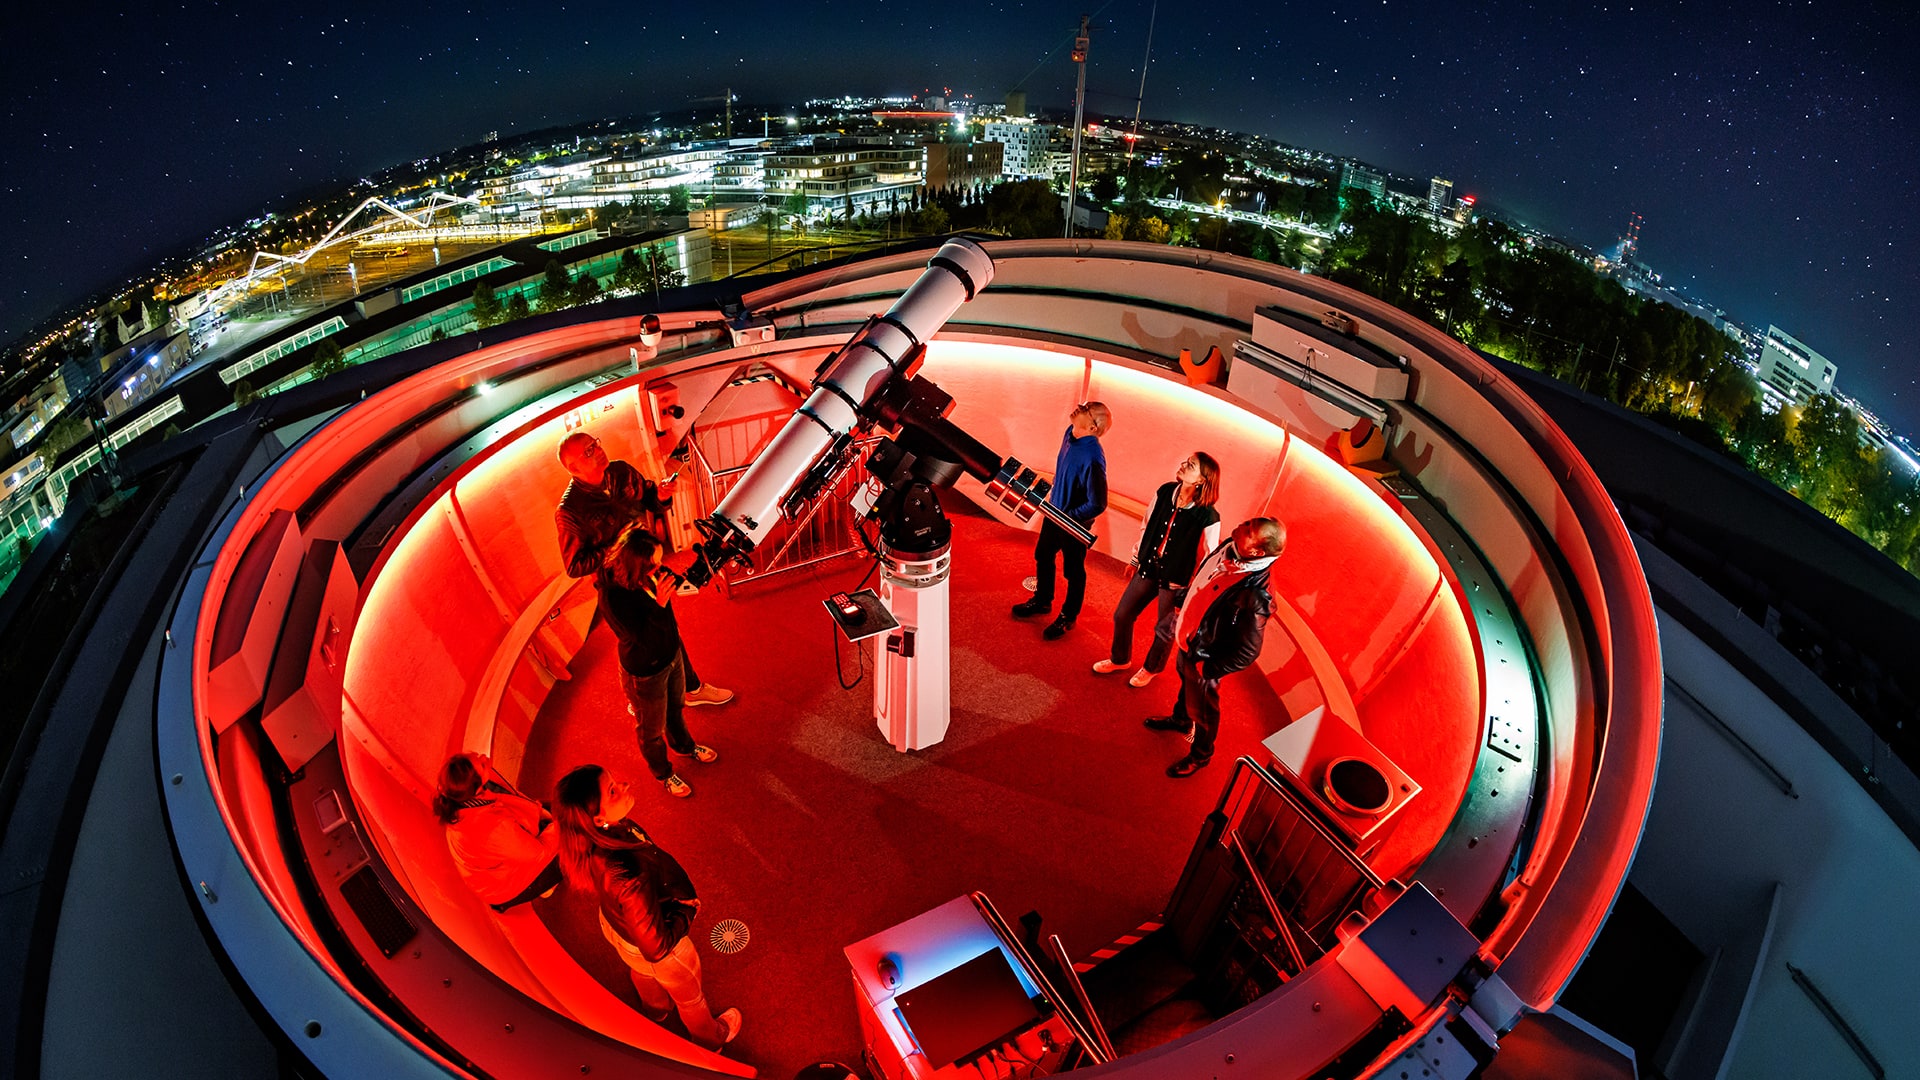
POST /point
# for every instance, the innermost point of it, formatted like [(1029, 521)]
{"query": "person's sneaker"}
[(1140, 678), (1058, 628), (1185, 767), (702, 753), (707, 694), (730, 1022), (677, 787), (1031, 583), (1168, 723), (1029, 608), (1105, 667)]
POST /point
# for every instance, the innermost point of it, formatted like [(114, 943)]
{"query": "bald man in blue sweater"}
[(1080, 489)]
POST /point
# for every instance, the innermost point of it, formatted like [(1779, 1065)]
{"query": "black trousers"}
[(693, 677), (1073, 560), (1199, 701)]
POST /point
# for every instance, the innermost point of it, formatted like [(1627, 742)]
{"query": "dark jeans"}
[(693, 677), (1073, 560), (657, 714), (1141, 590), (1199, 702)]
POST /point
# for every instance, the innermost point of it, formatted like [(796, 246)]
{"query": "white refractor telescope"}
[(873, 382)]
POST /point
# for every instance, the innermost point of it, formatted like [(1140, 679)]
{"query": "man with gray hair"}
[(1080, 489), (603, 498)]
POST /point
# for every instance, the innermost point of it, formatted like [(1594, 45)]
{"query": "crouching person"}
[(503, 843)]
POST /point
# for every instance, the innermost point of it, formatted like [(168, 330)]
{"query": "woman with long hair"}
[(1182, 527), (636, 597), (502, 842), (647, 903)]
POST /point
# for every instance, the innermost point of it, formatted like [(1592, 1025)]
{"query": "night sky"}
[(1771, 147)]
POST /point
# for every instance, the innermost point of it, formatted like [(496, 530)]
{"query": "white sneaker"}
[(1105, 667), (707, 694), (1140, 678), (1031, 583)]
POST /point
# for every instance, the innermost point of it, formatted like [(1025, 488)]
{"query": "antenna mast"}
[(1079, 110)]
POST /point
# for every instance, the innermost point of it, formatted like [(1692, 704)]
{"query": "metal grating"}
[(379, 913)]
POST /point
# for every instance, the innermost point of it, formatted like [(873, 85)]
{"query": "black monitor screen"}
[(975, 1006)]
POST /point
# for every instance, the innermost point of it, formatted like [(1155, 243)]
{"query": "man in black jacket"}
[(603, 498), (1221, 627)]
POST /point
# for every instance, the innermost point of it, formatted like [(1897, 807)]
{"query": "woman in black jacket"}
[(647, 903), (1182, 527)]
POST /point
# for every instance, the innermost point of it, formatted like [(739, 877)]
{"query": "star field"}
[(1770, 147)]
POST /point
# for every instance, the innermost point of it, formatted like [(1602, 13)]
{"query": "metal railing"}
[(1095, 1047), (827, 530), (1264, 852)]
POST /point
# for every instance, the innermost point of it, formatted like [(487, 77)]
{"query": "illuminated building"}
[(1360, 177), (1028, 151), (1439, 196), (838, 174), (959, 165), (352, 587), (1790, 372)]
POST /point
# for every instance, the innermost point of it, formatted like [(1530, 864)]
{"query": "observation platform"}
[(379, 587)]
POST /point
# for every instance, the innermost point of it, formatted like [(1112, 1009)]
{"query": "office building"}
[(1790, 372), (1357, 177), (1028, 153)]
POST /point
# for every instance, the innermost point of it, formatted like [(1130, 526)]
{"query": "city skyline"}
[(1768, 151)]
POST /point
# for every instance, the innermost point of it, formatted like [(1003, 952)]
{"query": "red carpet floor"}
[(1047, 793)]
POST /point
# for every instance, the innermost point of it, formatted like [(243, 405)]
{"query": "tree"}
[(517, 307), (1826, 442), (931, 219), (486, 305), (556, 289), (657, 272), (679, 199), (1148, 229), (64, 434), (327, 359), (627, 276), (1105, 189), (1025, 209), (244, 394), (586, 288)]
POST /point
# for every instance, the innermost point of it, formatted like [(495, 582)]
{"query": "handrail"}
[(1065, 964), (1306, 814), (1779, 778), (1000, 929), (1840, 1025), (1266, 897), (797, 527)]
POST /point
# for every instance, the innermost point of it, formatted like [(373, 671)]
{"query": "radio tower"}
[(1079, 111), (1630, 243)]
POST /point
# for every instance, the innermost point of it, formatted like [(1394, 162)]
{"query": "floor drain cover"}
[(729, 936)]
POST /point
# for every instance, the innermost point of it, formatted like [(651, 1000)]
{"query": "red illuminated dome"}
[(1450, 736)]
